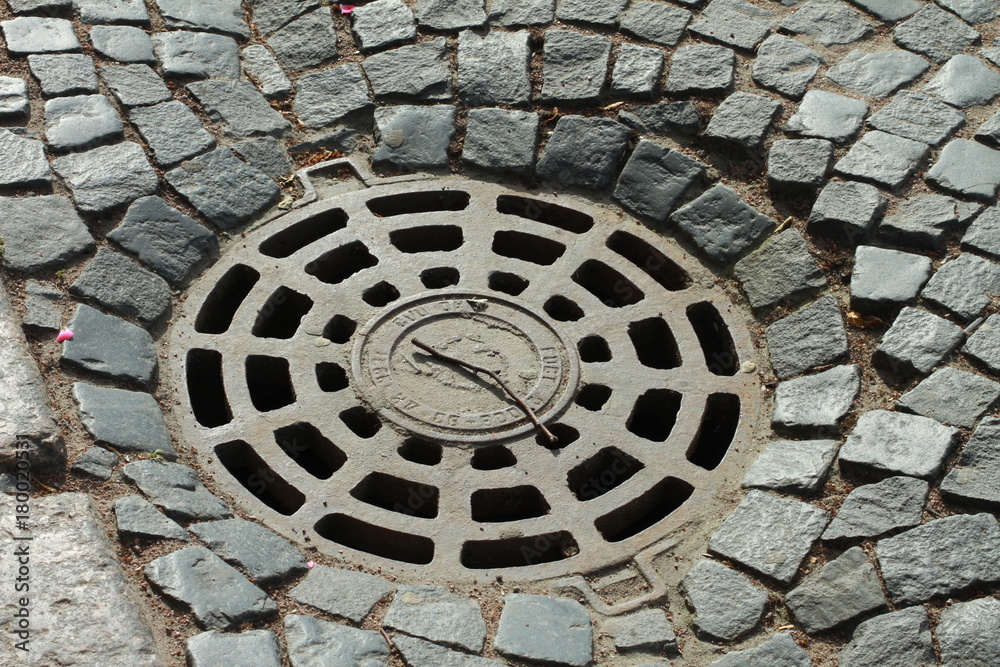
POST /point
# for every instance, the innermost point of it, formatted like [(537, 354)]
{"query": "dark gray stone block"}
[(963, 285), (884, 278), (889, 11), (22, 161), (45, 6), (493, 68), (878, 74), (266, 154), (421, 72), (544, 629), (975, 479), (114, 11), (726, 604), (965, 81), (214, 649), (315, 642), (123, 287), (656, 22), (935, 33), (984, 344), (637, 71), (885, 159), (781, 271), (875, 509), (259, 552), (435, 614), (37, 34), (967, 168), (827, 116), (124, 43), (413, 138), (846, 588), (64, 73), (923, 221), (501, 140), (785, 65), (600, 12), (574, 66), (967, 630), (900, 639), (96, 462), (813, 336), (584, 152), (263, 69), (734, 22), (883, 441), (647, 630), (450, 14), (383, 23), (778, 651), (41, 310), (799, 163), (989, 132), (172, 131), (135, 85), (129, 421), (828, 21), (918, 341), (423, 653), (345, 593), (723, 225), (82, 121), (176, 489), (521, 12), (668, 118), (239, 108), (308, 41), (973, 11), (197, 54), (109, 347), (984, 233), (323, 98), (269, 15), (743, 119), (13, 98), (792, 466), (701, 68), (224, 16), (952, 396), (41, 232), (816, 403), (918, 117), (654, 178), (137, 517)]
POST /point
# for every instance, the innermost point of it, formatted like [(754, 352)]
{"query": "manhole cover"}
[(453, 378)]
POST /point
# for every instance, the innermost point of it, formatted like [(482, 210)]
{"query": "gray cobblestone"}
[(126, 44), (109, 347), (934, 33), (493, 69), (123, 287), (792, 466), (383, 23), (22, 161), (584, 152), (967, 168), (781, 271), (878, 74), (827, 116), (420, 72), (323, 98), (172, 131), (875, 509), (919, 117), (308, 41), (816, 403), (655, 178), (963, 285), (975, 479), (844, 589), (38, 34), (829, 22), (885, 159), (899, 639), (261, 66), (197, 54), (108, 176), (82, 121), (501, 140), (965, 81), (722, 224), (884, 278), (64, 73), (129, 421), (220, 15), (701, 68), (734, 22), (413, 137), (574, 66), (727, 605), (135, 85), (785, 65), (41, 232), (657, 22), (882, 442)]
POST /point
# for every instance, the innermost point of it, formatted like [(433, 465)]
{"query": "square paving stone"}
[(984, 344), (501, 140), (107, 176), (600, 12), (82, 121), (983, 234), (345, 593), (883, 441), (769, 535), (450, 14), (129, 421), (259, 552), (964, 285), (493, 69), (785, 65), (315, 642), (828, 21), (780, 649), (270, 15), (882, 158), (734, 22), (266, 154), (164, 239), (124, 43), (900, 638), (544, 629), (918, 341), (953, 397), (792, 466), (726, 604), (647, 630), (226, 190), (308, 41), (383, 23), (816, 403), (965, 81), (112, 11), (967, 168), (22, 161), (743, 119), (967, 633), (197, 54), (173, 132), (135, 85), (846, 588), (41, 232), (123, 287), (263, 69), (176, 489), (412, 137), (813, 336), (96, 462), (637, 71), (584, 152), (923, 221), (654, 178), (940, 558), (219, 16), (884, 278), (701, 68), (666, 118), (219, 596), (435, 614), (827, 116), (64, 73), (239, 108), (875, 509), (723, 225), (41, 310), (799, 163), (972, 11), (521, 12), (421, 72), (574, 66), (975, 479), (137, 517), (214, 649), (13, 98), (781, 271), (36, 34), (323, 98), (934, 33), (878, 74), (109, 347), (919, 117), (656, 22)]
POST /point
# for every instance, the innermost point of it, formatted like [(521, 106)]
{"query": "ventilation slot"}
[(206, 388), (439, 278), (527, 247), (216, 314), (657, 265), (341, 263), (331, 377), (508, 283), (305, 445), (518, 551), (398, 495), (645, 511), (339, 329), (611, 287), (562, 309), (249, 469), (602, 473), (289, 241), (436, 238), (282, 314), (716, 342), (718, 429), (375, 540), (420, 451), (654, 343), (545, 213), (594, 349), (565, 436), (493, 458), (362, 423), (593, 397), (655, 414), (419, 202), (269, 382), (380, 295), (514, 504)]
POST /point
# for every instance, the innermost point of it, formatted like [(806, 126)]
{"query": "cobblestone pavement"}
[(836, 164)]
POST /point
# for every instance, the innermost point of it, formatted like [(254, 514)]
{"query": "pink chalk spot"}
[(64, 336), (347, 9), (310, 564)]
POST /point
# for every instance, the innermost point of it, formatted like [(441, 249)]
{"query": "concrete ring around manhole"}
[(451, 378)]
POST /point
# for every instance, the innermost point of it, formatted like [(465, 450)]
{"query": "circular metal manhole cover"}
[(453, 378)]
